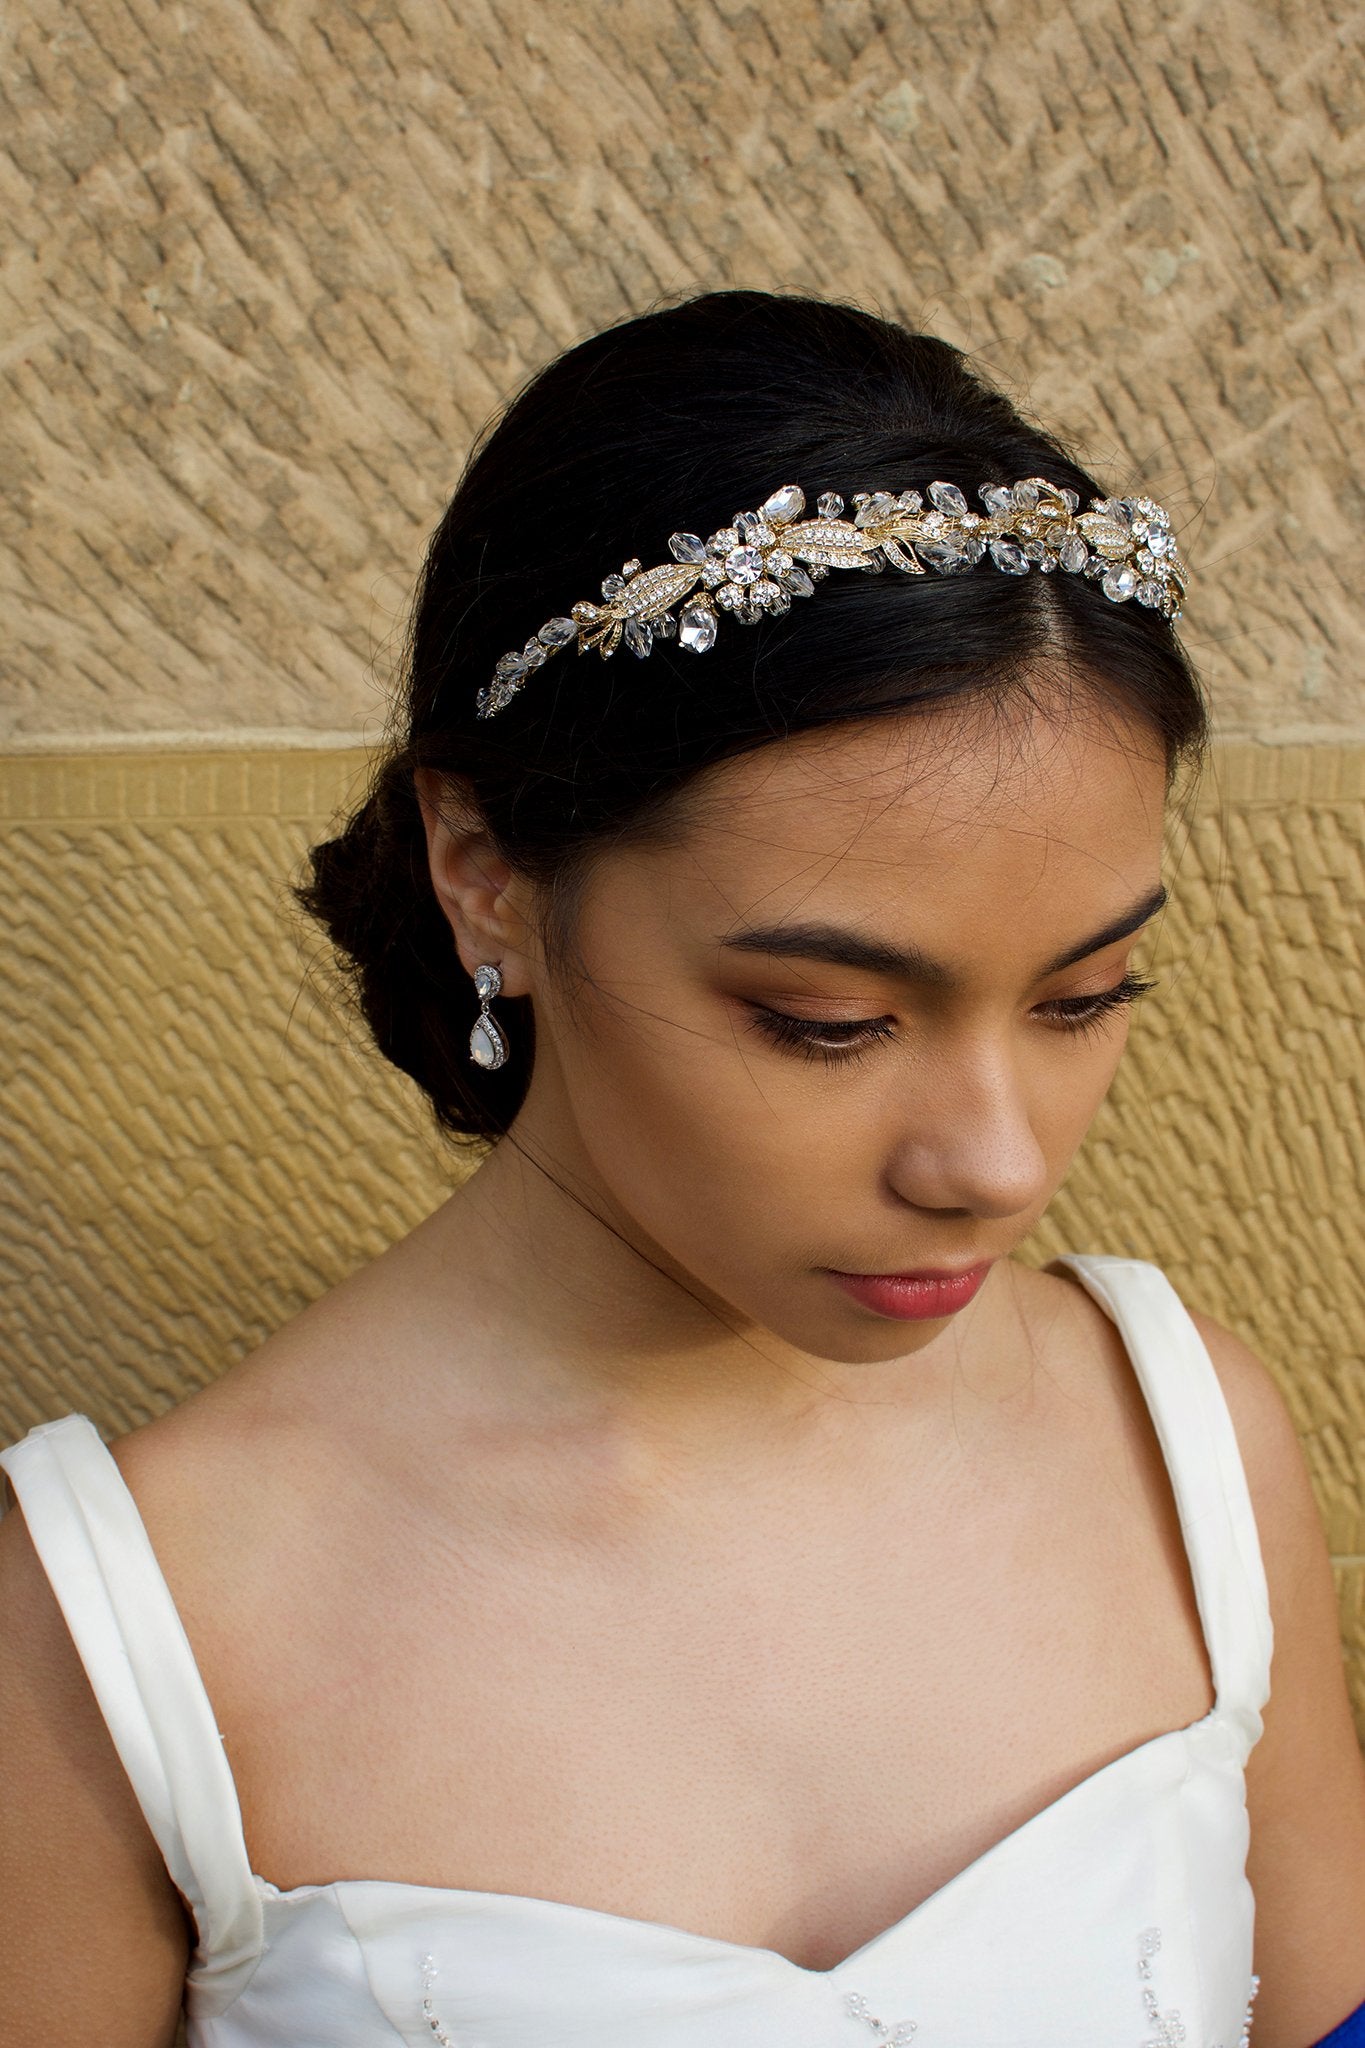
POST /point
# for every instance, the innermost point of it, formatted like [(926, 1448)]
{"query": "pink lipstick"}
[(913, 1297)]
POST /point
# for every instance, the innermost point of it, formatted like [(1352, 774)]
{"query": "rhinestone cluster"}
[(755, 566), (893, 2036), (438, 2032), (1169, 2027)]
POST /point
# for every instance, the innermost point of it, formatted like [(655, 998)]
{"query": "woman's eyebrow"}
[(1123, 927), (838, 947)]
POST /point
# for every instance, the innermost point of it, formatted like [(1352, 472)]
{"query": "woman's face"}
[(857, 1017)]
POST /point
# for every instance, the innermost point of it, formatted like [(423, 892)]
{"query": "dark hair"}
[(677, 420)]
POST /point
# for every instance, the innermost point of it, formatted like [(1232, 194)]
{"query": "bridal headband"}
[(757, 565)]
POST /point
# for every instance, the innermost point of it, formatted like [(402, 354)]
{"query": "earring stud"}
[(487, 1046)]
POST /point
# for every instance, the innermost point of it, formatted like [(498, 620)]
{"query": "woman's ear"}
[(484, 900)]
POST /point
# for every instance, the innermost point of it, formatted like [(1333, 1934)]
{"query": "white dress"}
[(1120, 1916)]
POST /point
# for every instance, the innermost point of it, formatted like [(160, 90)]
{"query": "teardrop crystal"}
[(948, 498), (1008, 557), (785, 505), (687, 547), (878, 508), (697, 628), (943, 555), (487, 1046), (557, 632)]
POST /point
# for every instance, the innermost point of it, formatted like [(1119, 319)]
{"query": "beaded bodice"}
[(1119, 1916)]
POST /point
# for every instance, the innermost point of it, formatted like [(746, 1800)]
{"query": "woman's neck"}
[(577, 1313)]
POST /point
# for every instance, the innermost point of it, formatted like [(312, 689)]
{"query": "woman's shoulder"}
[(1260, 1411), (1057, 1301), (246, 1472), (317, 1388), (1289, 1523)]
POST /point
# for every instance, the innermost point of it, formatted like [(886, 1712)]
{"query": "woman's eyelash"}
[(1081, 1013), (815, 1039), (811, 1038)]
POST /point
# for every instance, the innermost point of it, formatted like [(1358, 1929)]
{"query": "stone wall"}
[(267, 270)]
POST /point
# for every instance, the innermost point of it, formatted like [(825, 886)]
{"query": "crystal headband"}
[(766, 558)]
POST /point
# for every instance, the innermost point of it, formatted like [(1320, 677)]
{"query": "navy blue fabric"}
[(1350, 2034)]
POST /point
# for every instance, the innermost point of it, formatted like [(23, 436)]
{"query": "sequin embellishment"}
[(1170, 2028), (1244, 2038), (898, 2036), (438, 2032)]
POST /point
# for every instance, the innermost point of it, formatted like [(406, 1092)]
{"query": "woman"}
[(698, 1587)]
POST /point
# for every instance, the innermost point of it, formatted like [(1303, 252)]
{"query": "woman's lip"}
[(914, 1297), (926, 1273)]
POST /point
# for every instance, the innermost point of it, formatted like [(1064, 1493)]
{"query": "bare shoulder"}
[(1057, 1308), (232, 1482), (1267, 1435), (75, 1850), (1289, 1524), (1292, 1538), (1306, 1775), (1070, 1328), (241, 1487), (224, 1482), (245, 1445)]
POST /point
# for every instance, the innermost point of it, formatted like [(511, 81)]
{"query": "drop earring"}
[(487, 1046)]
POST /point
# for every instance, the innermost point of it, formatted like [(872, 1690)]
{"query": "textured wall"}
[(199, 1143), (269, 265), (266, 266)]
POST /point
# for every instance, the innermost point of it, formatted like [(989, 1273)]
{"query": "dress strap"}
[(93, 1545), (1199, 1444)]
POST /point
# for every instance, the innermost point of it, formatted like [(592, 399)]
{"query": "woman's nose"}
[(963, 1138)]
